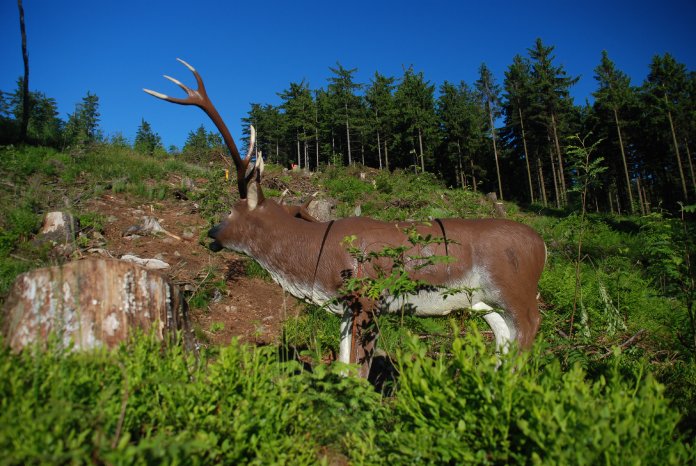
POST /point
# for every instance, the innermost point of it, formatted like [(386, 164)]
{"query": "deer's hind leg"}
[(503, 330)]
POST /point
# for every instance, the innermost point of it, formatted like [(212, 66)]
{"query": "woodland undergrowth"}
[(613, 382)]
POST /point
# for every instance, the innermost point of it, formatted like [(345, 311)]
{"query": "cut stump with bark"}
[(59, 230), (93, 303), (322, 209)]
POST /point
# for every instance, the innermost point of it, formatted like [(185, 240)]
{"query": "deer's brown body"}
[(496, 264)]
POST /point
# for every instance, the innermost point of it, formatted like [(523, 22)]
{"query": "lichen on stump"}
[(93, 303)]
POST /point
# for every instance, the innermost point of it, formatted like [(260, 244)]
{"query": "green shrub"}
[(463, 409), (143, 405), (347, 189), (17, 225), (315, 331), (91, 221), (611, 299)]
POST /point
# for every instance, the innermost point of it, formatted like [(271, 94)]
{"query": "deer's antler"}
[(199, 98)]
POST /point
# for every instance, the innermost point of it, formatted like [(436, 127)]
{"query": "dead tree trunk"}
[(25, 83), (625, 163), (677, 154)]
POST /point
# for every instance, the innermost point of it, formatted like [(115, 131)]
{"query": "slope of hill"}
[(628, 291)]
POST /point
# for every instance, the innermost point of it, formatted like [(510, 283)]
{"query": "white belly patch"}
[(474, 288)]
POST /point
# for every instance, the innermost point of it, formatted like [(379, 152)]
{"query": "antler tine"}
[(252, 141), (199, 80), (281, 201), (199, 98)]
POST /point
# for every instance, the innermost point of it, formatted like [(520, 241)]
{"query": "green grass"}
[(253, 269)]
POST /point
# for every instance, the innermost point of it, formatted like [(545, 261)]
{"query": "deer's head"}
[(232, 231)]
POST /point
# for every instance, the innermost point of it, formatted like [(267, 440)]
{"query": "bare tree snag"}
[(25, 83)]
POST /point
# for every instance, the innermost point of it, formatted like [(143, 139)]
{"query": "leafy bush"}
[(91, 221), (141, 404), (17, 224), (462, 409), (347, 189), (145, 404), (612, 298), (315, 332)]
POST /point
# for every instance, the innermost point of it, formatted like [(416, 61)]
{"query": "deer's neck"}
[(290, 250)]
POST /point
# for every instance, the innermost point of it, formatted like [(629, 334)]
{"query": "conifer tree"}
[(196, 147), (489, 92), (269, 131), (83, 124), (146, 140), (665, 86), (613, 96), (415, 102), (299, 119), (516, 104), (461, 119), (43, 124), (342, 88), (551, 104), (380, 101)]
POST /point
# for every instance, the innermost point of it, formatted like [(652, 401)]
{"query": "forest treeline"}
[(511, 137)]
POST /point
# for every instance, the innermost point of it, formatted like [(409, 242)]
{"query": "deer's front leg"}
[(346, 336), (358, 337)]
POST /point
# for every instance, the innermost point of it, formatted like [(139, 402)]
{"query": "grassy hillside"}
[(612, 377)]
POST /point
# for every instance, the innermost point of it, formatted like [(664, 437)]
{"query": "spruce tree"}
[(415, 102), (299, 119), (380, 102), (269, 131), (489, 93), (83, 123), (613, 97), (342, 89), (516, 103), (666, 86), (44, 127), (551, 104), (196, 147), (146, 140)]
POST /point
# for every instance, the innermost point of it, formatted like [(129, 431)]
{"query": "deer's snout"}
[(215, 246)]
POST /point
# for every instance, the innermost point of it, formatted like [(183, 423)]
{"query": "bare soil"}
[(251, 309)]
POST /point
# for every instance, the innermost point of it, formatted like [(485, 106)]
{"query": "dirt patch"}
[(249, 308)]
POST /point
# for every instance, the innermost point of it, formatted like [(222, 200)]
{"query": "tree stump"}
[(59, 230), (497, 205), (322, 209), (93, 303)]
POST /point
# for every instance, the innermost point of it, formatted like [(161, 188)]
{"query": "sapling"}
[(587, 172)]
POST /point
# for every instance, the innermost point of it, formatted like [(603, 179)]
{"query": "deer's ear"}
[(254, 195), (254, 192), (259, 165)]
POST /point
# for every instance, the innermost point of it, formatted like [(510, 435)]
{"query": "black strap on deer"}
[(444, 235), (321, 250), (444, 239)]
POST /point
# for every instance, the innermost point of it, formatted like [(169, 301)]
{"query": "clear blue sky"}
[(249, 51)]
